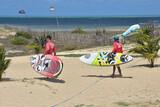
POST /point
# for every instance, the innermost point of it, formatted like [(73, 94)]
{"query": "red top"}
[(50, 48), (117, 47)]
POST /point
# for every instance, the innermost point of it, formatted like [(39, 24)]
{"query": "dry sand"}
[(5, 33), (81, 85)]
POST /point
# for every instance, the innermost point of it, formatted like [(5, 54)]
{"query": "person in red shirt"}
[(49, 46), (117, 48)]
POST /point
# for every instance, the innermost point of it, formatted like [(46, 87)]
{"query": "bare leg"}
[(119, 70), (114, 69)]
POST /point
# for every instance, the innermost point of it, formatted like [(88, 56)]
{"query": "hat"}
[(115, 37)]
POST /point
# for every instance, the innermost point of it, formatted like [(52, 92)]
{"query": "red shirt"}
[(49, 48), (117, 47)]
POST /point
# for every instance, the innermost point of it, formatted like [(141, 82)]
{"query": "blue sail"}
[(131, 29)]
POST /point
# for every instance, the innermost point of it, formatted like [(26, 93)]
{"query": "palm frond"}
[(146, 45)]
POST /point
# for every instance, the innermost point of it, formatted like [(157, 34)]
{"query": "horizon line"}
[(113, 16)]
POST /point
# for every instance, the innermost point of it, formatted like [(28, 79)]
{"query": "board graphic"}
[(47, 65), (106, 59)]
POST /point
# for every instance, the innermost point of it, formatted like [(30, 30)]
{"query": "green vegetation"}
[(19, 40), (138, 104), (23, 34), (79, 30), (147, 45), (123, 104), (4, 63), (40, 40), (38, 44), (37, 49)]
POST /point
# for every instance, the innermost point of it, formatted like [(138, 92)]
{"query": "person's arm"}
[(114, 48), (46, 49), (54, 51), (121, 47)]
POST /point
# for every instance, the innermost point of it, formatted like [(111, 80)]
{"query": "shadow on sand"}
[(55, 80), (7, 80), (145, 65), (109, 76)]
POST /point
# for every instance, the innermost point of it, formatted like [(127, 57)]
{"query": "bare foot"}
[(120, 75), (112, 75)]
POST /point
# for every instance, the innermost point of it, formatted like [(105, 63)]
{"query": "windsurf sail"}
[(131, 29), (52, 8), (22, 11)]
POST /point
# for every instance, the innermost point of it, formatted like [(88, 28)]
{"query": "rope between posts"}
[(80, 92)]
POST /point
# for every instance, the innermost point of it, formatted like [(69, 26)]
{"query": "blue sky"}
[(81, 7)]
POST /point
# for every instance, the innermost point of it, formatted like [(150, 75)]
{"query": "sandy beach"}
[(70, 29), (81, 85)]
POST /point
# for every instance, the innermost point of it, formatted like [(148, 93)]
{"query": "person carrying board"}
[(49, 46), (117, 48)]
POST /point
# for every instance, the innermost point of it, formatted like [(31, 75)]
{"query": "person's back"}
[(49, 47), (117, 47)]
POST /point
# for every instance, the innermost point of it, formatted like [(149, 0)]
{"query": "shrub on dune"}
[(38, 44), (19, 40), (79, 31), (23, 34), (4, 63)]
